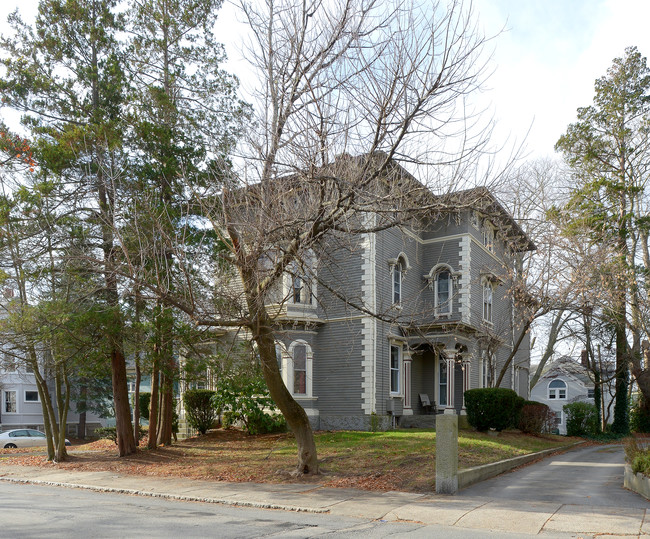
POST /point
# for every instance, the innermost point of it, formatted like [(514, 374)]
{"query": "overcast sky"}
[(545, 61)]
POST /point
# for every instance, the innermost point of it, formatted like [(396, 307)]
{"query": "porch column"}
[(467, 365), (450, 357), (407, 381)]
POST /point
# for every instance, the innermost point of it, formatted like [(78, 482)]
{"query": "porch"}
[(439, 375)]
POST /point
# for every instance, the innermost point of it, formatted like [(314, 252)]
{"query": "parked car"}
[(24, 438)]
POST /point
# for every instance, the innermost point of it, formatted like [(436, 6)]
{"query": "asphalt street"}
[(28, 511)]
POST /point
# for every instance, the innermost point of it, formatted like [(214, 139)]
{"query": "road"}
[(42, 511), (591, 476)]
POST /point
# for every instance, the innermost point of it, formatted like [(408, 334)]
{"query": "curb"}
[(177, 497), (471, 476), (636, 482)]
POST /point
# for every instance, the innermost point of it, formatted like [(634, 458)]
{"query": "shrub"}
[(492, 408), (199, 409), (245, 399), (640, 416), (535, 418), (107, 433), (581, 419), (144, 399), (110, 433)]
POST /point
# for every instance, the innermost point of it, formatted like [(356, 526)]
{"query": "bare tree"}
[(385, 81)]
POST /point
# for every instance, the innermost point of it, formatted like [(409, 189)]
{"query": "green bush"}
[(535, 418), (492, 408), (581, 419), (144, 399), (199, 409), (640, 416), (244, 399)]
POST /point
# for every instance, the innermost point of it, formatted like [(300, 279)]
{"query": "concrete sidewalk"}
[(514, 516)]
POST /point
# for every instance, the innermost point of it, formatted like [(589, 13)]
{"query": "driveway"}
[(591, 475)]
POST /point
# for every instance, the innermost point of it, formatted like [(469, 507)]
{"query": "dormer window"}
[(488, 236), (301, 289), (300, 283)]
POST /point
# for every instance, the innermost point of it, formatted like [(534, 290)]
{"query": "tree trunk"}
[(294, 413), (512, 355), (167, 377), (81, 427), (153, 404), (556, 326), (136, 402)]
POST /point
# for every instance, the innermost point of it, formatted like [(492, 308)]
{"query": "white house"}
[(566, 381)]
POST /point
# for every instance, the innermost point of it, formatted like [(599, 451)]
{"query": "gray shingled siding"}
[(448, 226), (337, 368), (389, 244), (341, 268)]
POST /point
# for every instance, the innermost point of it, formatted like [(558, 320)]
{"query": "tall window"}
[(442, 382), (398, 270), (278, 357), (395, 360), (487, 301), (516, 388), (443, 293), (300, 369), (10, 402), (296, 368), (557, 389), (488, 236), (485, 369), (301, 292)]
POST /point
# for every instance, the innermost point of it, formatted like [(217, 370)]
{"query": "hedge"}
[(492, 408)]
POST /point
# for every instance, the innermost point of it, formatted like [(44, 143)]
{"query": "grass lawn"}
[(394, 460)]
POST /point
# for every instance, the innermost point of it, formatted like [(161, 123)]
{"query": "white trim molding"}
[(369, 323), (464, 285)]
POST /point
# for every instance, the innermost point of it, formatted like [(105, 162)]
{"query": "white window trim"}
[(400, 368), (38, 397), (556, 396), (287, 370), (4, 401)]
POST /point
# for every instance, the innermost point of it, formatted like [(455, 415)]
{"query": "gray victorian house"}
[(438, 318)]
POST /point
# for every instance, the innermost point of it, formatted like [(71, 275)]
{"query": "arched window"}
[(557, 389), (442, 279)]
